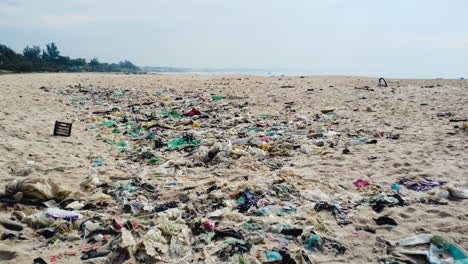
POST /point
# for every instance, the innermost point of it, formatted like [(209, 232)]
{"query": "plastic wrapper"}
[(36, 188), (154, 242)]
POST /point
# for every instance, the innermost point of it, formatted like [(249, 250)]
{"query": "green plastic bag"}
[(107, 123), (153, 160), (120, 143), (217, 97), (182, 141)]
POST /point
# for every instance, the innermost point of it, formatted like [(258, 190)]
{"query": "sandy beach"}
[(409, 121)]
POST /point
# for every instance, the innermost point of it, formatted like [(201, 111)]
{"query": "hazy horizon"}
[(407, 39)]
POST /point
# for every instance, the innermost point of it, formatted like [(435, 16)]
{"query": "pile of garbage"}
[(211, 184)]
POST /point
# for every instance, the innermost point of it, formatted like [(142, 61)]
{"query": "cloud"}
[(19, 14), (67, 21), (8, 10)]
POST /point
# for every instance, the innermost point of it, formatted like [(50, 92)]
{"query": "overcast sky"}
[(394, 38)]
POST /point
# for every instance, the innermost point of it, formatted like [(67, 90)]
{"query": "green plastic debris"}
[(458, 253), (127, 186), (107, 123), (171, 114), (327, 111), (153, 160), (120, 143), (251, 226), (265, 115), (116, 130), (150, 134), (314, 243), (182, 141), (72, 100), (242, 260), (217, 97)]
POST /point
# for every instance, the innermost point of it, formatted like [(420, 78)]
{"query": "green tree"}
[(127, 66), (10, 60), (32, 54), (94, 64), (64, 61), (51, 54), (80, 62), (50, 60)]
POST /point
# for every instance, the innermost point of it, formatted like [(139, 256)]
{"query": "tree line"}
[(33, 59)]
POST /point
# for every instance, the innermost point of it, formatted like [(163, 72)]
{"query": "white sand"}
[(27, 116)]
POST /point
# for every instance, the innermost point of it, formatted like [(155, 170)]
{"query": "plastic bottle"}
[(273, 255), (314, 243), (459, 254)]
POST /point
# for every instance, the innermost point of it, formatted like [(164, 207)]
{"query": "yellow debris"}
[(196, 124)]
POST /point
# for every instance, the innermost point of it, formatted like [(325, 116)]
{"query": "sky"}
[(389, 38)]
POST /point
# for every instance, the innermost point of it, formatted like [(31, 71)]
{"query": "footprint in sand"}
[(7, 255), (404, 216), (439, 213)]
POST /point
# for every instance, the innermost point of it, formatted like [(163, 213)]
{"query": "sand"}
[(429, 145)]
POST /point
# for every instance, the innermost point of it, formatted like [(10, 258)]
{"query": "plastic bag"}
[(437, 245), (153, 240), (36, 188), (316, 196), (92, 180), (64, 214), (459, 193)]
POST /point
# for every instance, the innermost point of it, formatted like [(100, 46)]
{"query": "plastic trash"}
[(182, 141), (316, 195), (39, 220), (245, 201), (250, 140), (436, 246), (458, 192), (193, 112), (292, 231), (107, 123), (36, 188), (314, 243), (379, 203), (154, 242), (224, 185), (340, 214), (117, 143), (458, 253), (127, 239), (91, 181), (75, 205), (64, 214), (425, 185), (196, 124), (217, 97), (273, 255), (210, 225), (360, 183)]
